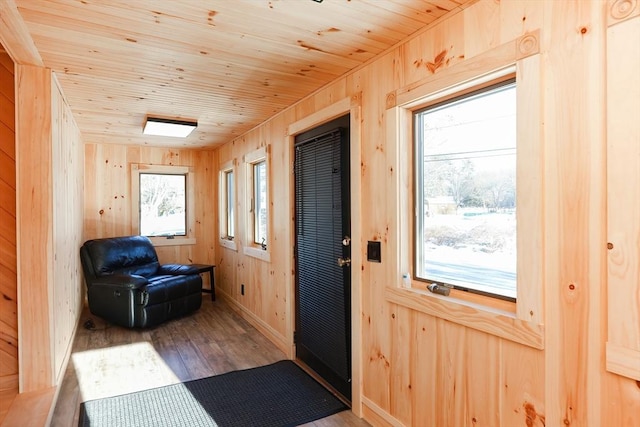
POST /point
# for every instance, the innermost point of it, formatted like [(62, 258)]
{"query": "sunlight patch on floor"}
[(119, 370)]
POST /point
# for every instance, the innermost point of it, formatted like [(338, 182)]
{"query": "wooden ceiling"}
[(230, 64)]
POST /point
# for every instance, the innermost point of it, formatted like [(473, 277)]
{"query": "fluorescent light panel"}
[(168, 127)]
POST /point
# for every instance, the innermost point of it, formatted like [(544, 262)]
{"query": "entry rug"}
[(277, 395)]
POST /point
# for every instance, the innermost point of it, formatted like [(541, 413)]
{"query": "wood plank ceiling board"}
[(230, 64)]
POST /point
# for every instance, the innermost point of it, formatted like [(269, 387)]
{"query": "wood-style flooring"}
[(109, 360)]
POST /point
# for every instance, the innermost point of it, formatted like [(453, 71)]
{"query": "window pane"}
[(162, 205), (260, 198), (230, 204), (466, 185)]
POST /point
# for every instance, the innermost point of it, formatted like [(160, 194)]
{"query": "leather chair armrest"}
[(123, 281), (176, 269)]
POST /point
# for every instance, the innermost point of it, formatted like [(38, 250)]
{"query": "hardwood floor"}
[(109, 360)]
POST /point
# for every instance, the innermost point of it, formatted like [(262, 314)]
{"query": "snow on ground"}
[(477, 250)]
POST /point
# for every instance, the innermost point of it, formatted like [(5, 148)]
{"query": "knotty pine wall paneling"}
[(68, 205), (623, 89), (226, 267), (382, 325), (107, 207), (418, 367), (50, 173), (623, 153), (206, 218), (8, 251), (265, 297), (573, 39), (35, 225)]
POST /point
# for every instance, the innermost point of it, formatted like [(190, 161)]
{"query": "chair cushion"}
[(167, 288), (123, 255)]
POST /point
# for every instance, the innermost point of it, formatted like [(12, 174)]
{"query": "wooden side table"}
[(203, 268)]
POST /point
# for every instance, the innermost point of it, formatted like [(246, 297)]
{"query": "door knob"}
[(344, 261)]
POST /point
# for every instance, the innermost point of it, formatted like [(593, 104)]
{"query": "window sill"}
[(258, 253), (623, 361), (493, 321), (229, 244), (176, 241)]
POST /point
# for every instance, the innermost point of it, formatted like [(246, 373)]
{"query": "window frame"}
[(251, 248), (522, 321), (141, 168), (483, 87), (257, 205), (225, 240)]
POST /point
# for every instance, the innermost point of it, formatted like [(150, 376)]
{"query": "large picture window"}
[(465, 181)]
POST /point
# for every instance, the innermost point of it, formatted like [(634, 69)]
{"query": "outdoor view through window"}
[(260, 197), (162, 205), (466, 192), (230, 222)]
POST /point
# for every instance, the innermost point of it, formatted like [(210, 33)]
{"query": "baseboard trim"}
[(65, 365), (255, 321), (375, 415)]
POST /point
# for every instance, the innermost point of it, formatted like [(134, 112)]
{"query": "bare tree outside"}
[(467, 224), (162, 205), (497, 189)]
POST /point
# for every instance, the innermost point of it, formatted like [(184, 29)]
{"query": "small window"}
[(260, 203), (229, 199), (162, 203), (465, 228), (227, 204), (257, 193)]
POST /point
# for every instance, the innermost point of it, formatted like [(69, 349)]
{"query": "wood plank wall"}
[(623, 160), (34, 220), (50, 173), (265, 283), (68, 211), (420, 369), (107, 208), (8, 253)]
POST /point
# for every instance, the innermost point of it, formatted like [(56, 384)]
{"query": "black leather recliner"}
[(126, 284)]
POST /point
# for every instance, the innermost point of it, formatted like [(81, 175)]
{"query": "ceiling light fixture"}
[(168, 127)]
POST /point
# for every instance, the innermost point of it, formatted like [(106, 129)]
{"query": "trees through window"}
[(163, 204), (465, 233)]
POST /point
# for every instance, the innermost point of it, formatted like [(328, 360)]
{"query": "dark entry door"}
[(323, 251)]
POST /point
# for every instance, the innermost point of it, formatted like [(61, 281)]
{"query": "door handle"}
[(344, 261)]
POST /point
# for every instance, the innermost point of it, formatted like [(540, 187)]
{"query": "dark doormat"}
[(275, 395)]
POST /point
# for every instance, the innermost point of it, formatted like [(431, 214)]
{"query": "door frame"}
[(352, 106)]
